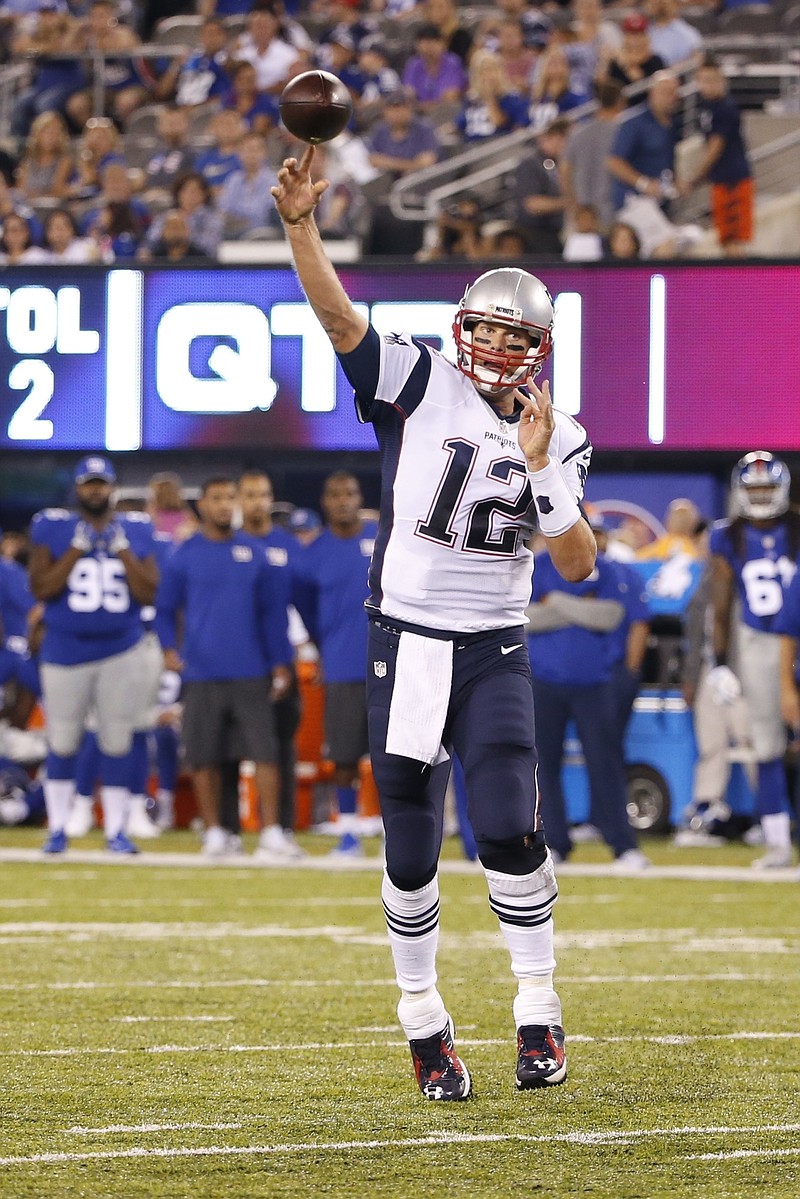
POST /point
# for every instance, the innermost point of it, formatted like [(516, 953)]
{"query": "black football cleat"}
[(440, 1072), (541, 1060)]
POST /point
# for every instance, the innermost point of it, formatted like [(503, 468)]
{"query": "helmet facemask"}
[(761, 487), (496, 372)]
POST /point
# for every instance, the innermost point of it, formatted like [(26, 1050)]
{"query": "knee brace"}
[(518, 855)]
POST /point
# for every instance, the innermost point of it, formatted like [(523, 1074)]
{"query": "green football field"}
[(177, 1029)]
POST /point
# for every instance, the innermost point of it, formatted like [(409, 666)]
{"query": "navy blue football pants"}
[(490, 726)]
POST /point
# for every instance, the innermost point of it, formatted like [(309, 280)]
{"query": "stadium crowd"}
[(144, 131)]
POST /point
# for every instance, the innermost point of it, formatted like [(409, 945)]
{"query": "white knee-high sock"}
[(524, 904), (58, 795), (115, 809), (412, 921)]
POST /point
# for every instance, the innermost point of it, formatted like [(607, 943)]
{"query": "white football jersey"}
[(457, 505)]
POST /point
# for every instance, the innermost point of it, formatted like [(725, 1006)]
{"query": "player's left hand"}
[(536, 425), (117, 538)]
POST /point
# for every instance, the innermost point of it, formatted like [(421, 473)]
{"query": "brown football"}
[(315, 106)]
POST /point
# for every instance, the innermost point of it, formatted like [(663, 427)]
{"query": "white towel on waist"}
[(420, 698)]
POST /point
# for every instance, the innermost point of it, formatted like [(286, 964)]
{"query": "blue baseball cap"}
[(95, 466), (304, 520)]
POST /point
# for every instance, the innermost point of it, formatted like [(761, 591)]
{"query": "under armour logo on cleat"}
[(509, 649), (543, 504)]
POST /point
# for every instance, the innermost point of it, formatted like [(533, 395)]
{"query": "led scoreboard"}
[(679, 358)]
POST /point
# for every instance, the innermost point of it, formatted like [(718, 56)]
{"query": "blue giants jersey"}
[(234, 608), (16, 601), (332, 577), (578, 656), (763, 569), (95, 616)]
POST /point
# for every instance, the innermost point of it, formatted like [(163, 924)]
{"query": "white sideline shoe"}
[(215, 842), (139, 824), (80, 821), (631, 861), (776, 858), (278, 847)]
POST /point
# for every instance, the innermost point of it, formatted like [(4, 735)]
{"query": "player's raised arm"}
[(296, 197)]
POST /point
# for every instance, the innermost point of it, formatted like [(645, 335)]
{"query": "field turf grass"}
[(197, 1031)]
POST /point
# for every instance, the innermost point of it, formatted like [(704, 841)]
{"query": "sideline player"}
[(755, 554), (467, 451), (93, 570)]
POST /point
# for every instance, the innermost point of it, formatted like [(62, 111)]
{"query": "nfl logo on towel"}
[(380, 669)]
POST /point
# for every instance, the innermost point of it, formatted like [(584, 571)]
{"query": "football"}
[(315, 106)]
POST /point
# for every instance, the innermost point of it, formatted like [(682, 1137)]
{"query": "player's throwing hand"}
[(296, 196)]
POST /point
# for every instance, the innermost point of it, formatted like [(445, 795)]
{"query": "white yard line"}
[(734, 1153), (193, 861), (432, 1140), (349, 1046)]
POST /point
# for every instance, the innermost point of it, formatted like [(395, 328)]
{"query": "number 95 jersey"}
[(94, 616), (456, 502)]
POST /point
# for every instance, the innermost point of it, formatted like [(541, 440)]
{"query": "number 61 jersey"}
[(95, 616), (456, 503)]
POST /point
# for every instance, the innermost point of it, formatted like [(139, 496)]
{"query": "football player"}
[(93, 570), (754, 556), (471, 452)]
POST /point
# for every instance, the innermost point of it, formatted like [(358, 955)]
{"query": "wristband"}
[(642, 184), (556, 507)]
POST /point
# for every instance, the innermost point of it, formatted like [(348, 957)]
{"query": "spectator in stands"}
[(458, 232), (550, 93), (258, 110), (63, 241), (507, 242), (584, 171), (540, 199), (123, 84), (590, 44), (724, 162), (200, 77), (402, 142), (14, 204), (444, 14), (245, 199), (583, 243), (341, 211), (55, 80), (673, 39), (173, 158), (642, 163), (224, 8), (46, 165), (490, 106), (434, 73), (518, 60), (376, 79), (120, 220), (99, 146), (536, 24), (623, 242), (222, 159), (336, 52), (634, 60), (193, 198), (275, 60), (235, 658), (16, 243), (174, 243)]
